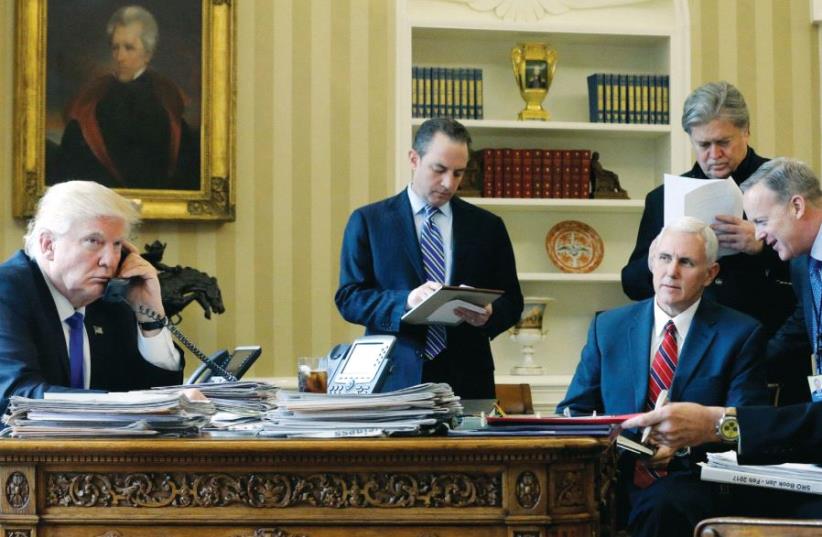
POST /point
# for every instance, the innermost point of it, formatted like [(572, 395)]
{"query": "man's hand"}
[(145, 288), (474, 318), (660, 459), (678, 425), (421, 293), (737, 234)]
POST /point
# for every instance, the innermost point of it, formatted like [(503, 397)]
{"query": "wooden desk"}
[(430, 487)]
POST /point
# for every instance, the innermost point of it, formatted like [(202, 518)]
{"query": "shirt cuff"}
[(159, 350)]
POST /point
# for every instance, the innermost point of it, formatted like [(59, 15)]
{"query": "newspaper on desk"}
[(419, 409), (128, 414), (239, 405), (724, 468)]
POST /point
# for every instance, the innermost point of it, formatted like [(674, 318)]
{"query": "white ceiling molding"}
[(535, 10), (816, 11)]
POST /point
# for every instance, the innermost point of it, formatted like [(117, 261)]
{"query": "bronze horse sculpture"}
[(181, 286)]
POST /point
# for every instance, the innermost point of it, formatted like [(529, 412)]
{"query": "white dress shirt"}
[(681, 321), (157, 350), (444, 221)]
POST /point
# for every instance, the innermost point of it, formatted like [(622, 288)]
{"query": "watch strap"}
[(153, 325)]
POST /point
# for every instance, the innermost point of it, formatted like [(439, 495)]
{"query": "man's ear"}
[(414, 159), (46, 242), (713, 271), (798, 204)]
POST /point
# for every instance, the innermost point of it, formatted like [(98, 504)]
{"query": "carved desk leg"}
[(18, 501)]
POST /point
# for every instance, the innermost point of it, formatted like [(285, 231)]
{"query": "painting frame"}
[(215, 198)]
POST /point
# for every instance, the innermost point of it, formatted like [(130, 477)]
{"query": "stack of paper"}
[(723, 468), (549, 426), (106, 414), (415, 410), (240, 405)]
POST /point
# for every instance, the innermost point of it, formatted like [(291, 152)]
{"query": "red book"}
[(527, 190), (487, 173), (547, 185), (536, 174), (566, 174), (507, 174), (576, 174), (556, 174), (498, 170), (586, 174)]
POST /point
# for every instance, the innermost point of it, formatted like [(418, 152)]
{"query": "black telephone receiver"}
[(116, 291), (117, 287)]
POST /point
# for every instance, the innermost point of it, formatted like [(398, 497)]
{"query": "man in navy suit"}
[(784, 201), (382, 274), (752, 280), (55, 333), (714, 361)]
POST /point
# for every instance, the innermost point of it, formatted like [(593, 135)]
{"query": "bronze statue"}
[(606, 182), (181, 286)]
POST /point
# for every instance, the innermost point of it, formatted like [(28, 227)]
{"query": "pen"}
[(661, 399)]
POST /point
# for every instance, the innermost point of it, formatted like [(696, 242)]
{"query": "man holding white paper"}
[(751, 279), (678, 342), (399, 251)]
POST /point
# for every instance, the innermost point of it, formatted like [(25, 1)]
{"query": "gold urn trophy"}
[(529, 331), (534, 66)]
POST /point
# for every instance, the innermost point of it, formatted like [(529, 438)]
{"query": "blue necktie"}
[(814, 268), (75, 323), (433, 262)]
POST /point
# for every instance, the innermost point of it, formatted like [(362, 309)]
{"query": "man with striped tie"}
[(398, 251), (678, 341)]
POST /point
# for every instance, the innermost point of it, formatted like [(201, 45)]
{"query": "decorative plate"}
[(574, 246)]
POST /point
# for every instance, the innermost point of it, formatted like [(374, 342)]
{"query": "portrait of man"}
[(123, 106), (536, 74)]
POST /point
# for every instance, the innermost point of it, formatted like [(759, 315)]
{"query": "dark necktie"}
[(814, 267), (433, 262), (75, 323), (663, 369)]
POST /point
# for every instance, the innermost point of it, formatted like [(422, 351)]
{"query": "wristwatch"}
[(727, 428), (153, 325)]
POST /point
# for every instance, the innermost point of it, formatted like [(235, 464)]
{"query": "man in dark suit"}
[(56, 334), (753, 280), (629, 358), (126, 129), (784, 201), (383, 273)]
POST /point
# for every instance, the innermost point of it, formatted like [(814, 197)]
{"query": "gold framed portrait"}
[(136, 95)]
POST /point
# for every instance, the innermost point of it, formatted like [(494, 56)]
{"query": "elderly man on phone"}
[(56, 332)]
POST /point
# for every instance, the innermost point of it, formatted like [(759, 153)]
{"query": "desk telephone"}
[(360, 367), (229, 366)]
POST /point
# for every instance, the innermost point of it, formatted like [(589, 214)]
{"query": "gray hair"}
[(136, 14), (715, 100), (786, 178), (689, 224), (65, 204)]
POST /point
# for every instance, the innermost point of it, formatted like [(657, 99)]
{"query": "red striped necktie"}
[(663, 369)]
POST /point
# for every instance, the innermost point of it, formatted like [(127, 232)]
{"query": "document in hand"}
[(703, 199), (439, 307)]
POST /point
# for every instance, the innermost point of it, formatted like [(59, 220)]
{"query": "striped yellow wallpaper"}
[(769, 50), (314, 141)]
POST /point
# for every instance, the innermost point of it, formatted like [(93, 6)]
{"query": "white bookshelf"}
[(648, 37)]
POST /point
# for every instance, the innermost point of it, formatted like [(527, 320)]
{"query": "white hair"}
[(65, 204), (689, 224), (136, 14)]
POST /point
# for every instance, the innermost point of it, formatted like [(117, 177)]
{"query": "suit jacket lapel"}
[(407, 231), (639, 351), (695, 347), (49, 310), (805, 291), (458, 229)]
